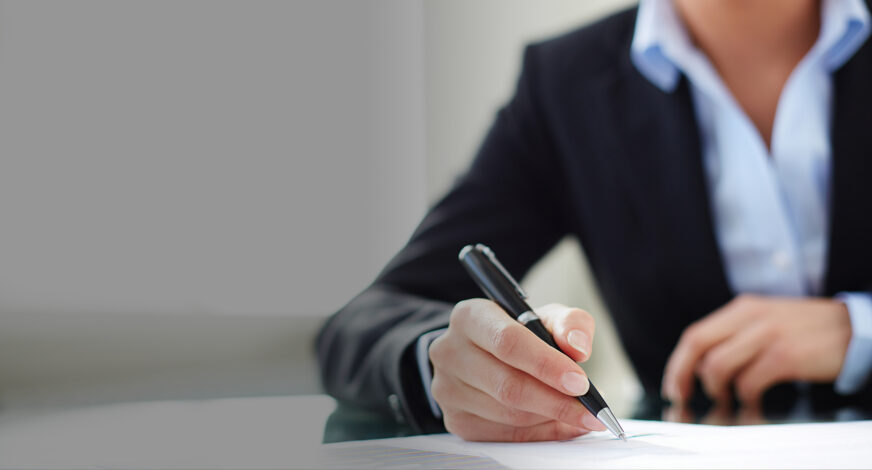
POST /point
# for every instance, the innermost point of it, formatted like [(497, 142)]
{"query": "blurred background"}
[(188, 189)]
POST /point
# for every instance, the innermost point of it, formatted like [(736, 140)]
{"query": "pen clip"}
[(493, 259)]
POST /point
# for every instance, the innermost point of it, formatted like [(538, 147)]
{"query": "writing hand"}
[(496, 381)]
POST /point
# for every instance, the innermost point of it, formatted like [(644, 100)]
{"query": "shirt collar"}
[(661, 47)]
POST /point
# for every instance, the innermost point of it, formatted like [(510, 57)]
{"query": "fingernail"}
[(592, 423), (575, 383), (580, 341)]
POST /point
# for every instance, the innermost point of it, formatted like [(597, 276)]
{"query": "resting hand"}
[(496, 381), (753, 343)]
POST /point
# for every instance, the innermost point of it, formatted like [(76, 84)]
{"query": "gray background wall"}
[(187, 188)]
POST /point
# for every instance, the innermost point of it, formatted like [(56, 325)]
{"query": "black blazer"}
[(588, 147)]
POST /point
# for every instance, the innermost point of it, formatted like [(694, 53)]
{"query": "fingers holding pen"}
[(454, 394), (573, 329), (490, 329), (508, 387)]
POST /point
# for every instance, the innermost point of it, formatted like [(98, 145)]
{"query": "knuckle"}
[(784, 356), (545, 368), (692, 337), (461, 312), (769, 332), (510, 391), (520, 434), (505, 339), (439, 351), (713, 367), (566, 411), (516, 417), (439, 389)]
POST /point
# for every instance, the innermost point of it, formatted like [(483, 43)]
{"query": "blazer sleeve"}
[(512, 198)]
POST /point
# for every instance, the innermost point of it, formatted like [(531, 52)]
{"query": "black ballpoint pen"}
[(499, 286)]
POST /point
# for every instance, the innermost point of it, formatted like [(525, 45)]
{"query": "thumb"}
[(572, 328)]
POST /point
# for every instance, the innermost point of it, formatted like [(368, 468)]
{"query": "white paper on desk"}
[(655, 444)]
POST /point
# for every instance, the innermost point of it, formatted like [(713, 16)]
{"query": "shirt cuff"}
[(422, 354), (858, 359)]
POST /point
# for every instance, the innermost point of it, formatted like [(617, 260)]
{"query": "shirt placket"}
[(764, 251)]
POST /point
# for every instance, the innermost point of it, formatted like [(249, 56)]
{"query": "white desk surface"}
[(271, 432)]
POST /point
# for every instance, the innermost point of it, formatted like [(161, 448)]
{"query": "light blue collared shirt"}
[(770, 205)]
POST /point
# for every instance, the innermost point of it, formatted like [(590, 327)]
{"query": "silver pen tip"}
[(608, 419)]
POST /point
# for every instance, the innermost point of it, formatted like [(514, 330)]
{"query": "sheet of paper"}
[(652, 444)]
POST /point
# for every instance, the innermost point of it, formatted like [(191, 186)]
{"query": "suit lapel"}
[(850, 257), (663, 172)]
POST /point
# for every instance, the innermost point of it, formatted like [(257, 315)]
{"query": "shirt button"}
[(781, 260)]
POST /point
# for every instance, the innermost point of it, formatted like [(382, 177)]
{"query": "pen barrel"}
[(592, 400), (539, 330), (494, 283)]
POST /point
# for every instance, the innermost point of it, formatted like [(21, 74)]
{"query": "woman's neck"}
[(754, 45), (748, 31)]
